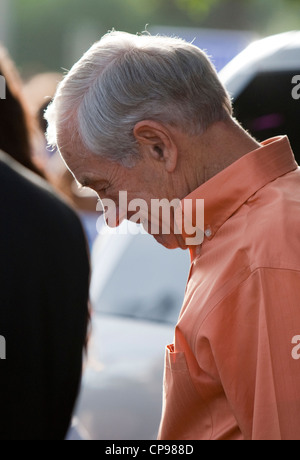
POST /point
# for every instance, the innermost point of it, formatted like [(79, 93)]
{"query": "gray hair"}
[(123, 79)]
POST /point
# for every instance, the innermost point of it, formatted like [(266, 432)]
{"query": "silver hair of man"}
[(124, 79)]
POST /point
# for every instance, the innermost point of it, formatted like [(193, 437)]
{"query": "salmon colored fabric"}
[(233, 372)]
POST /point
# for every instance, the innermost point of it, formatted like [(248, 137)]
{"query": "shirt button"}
[(208, 233)]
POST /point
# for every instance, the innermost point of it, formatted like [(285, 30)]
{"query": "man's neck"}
[(223, 144)]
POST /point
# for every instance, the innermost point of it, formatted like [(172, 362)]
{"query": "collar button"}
[(208, 233)]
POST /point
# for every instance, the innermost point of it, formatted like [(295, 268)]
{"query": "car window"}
[(146, 281), (266, 107)]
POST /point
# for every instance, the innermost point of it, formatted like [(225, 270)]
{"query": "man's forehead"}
[(77, 166), (88, 169), (85, 176), (88, 172), (70, 145), (72, 154)]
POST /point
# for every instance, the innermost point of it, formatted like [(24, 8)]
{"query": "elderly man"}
[(149, 116)]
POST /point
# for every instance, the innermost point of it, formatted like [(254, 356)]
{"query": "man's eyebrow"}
[(87, 182)]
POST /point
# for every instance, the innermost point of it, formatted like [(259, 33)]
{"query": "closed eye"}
[(102, 192)]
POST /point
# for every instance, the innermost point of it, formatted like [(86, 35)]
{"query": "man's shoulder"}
[(272, 225), (263, 236)]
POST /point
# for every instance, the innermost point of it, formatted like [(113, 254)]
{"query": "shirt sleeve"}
[(253, 337)]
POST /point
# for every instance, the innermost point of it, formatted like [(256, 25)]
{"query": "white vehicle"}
[(137, 290)]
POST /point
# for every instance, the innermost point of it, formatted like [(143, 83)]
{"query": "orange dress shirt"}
[(233, 372)]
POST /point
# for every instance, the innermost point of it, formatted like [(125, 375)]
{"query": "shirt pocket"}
[(185, 415), (174, 361)]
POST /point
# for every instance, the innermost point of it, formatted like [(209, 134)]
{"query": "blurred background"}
[(138, 286), (48, 35)]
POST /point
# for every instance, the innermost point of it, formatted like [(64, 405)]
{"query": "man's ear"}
[(159, 140)]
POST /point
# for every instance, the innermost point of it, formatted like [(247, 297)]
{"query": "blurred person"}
[(149, 116), (39, 91), (44, 284), (22, 129), (16, 123), (22, 136)]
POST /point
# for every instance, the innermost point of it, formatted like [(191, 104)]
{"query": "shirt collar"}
[(232, 187)]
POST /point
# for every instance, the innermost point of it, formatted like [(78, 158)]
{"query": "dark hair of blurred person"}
[(16, 122)]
